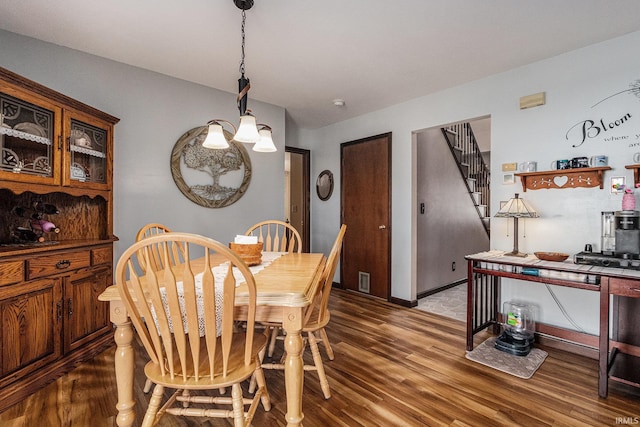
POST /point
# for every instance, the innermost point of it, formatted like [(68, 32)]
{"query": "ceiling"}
[(303, 54)]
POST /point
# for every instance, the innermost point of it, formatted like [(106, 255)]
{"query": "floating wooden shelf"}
[(636, 171), (566, 178)]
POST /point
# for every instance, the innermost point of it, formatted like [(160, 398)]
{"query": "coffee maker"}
[(620, 242), (627, 225)]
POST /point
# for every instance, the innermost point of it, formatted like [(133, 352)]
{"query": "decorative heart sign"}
[(560, 181)]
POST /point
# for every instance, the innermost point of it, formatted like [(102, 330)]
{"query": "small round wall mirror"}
[(324, 184)]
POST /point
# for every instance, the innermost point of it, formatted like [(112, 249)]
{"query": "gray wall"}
[(155, 110), (450, 227)]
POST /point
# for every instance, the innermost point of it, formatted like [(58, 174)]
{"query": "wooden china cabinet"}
[(56, 234)]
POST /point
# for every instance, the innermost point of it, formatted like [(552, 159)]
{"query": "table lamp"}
[(516, 208)]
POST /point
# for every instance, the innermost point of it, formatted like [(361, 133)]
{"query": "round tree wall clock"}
[(213, 178)]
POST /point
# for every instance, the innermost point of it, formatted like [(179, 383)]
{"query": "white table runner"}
[(219, 273)]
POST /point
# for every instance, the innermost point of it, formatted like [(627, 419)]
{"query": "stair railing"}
[(465, 150)]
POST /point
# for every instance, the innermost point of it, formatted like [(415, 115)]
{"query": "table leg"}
[(124, 364), (470, 305), (603, 344), (293, 368)]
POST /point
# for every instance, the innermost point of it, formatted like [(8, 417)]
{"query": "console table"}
[(619, 357)]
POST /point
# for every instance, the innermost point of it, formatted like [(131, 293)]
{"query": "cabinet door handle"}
[(70, 308), (62, 264), (59, 310)]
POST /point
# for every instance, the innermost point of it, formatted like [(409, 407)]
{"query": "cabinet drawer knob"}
[(61, 265)]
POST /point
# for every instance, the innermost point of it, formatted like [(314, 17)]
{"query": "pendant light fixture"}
[(248, 131), (265, 143), (215, 135)]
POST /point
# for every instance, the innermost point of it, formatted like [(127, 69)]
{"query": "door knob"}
[(382, 227)]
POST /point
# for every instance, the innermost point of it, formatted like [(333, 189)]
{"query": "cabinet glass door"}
[(88, 146), (27, 134)]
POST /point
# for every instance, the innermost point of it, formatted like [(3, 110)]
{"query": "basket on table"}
[(251, 253)]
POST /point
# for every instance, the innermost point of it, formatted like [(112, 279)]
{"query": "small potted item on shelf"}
[(628, 198)]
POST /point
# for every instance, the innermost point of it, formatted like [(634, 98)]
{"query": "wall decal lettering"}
[(592, 128)]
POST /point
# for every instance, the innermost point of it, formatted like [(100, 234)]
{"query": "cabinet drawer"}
[(57, 263), (11, 272), (101, 256), (626, 288)]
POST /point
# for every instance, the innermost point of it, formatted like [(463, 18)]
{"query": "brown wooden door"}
[(366, 210), (298, 188)]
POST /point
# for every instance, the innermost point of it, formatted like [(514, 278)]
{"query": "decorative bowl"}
[(551, 256)]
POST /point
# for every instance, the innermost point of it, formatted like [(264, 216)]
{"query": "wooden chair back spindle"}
[(155, 229), (277, 236)]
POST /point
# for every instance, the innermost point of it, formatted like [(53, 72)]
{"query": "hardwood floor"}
[(393, 367)]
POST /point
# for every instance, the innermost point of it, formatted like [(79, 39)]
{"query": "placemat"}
[(520, 366)]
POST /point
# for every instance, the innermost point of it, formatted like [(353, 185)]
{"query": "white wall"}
[(450, 216), (573, 83), (155, 110)]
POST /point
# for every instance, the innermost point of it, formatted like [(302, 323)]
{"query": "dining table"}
[(285, 286)]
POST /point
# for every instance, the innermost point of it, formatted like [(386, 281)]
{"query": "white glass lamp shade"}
[(215, 138), (516, 208), (247, 131), (265, 144)]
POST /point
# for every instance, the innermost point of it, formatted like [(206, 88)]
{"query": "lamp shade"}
[(215, 138), (516, 208), (265, 144), (247, 130)]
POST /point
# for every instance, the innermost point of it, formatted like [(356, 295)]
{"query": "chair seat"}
[(237, 370), (314, 326)]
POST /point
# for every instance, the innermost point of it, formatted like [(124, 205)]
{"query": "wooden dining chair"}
[(317, 317), (277, 236), (155, 229), (150, 230), (183, 316)]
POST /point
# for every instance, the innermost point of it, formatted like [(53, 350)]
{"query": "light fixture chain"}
[(244, 17)]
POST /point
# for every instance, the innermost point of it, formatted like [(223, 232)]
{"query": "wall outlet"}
[(453, 266)]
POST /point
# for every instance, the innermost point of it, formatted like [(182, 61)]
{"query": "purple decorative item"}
[(628, 202)]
